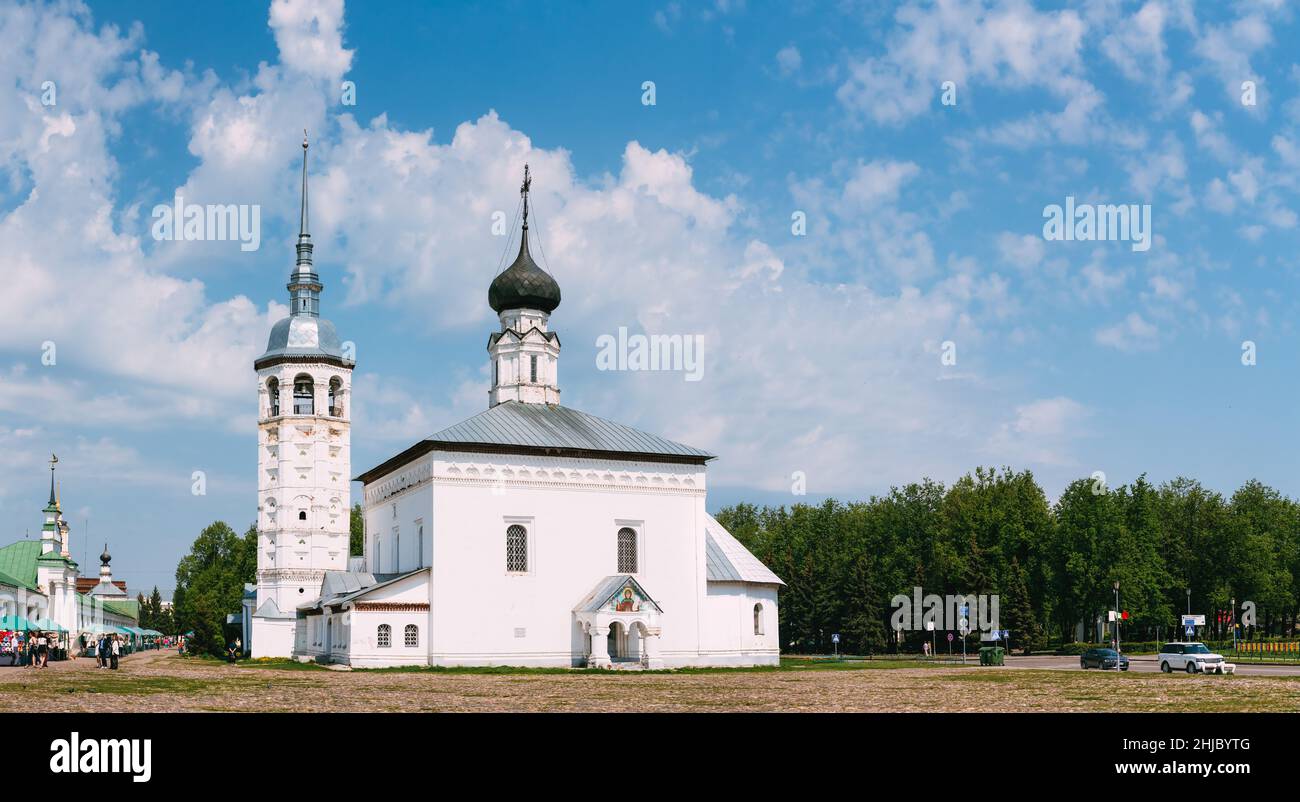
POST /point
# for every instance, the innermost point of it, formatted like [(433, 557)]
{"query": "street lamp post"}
[(1232, 622), (1117, 616)]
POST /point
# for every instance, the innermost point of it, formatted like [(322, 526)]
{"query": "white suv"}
[(1192, 657)]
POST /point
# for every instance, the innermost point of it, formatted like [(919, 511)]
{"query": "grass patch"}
[(787, 664), (121, 685), (278, 664)]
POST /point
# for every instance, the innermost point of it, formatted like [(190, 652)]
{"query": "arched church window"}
[(758, 619), (412, 636), (627, 550), (385, 636), (496, 372), (304, 395), (517, 549), (534, 369), (273, 394), (336, 397), (302, 515)]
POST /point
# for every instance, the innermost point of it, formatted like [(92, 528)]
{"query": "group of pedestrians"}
[(107, 648), (31, 649)]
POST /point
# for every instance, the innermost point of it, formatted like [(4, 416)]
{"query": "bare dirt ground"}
[(163, 682)]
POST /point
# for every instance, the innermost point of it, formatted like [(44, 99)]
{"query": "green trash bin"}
[(992, 656)]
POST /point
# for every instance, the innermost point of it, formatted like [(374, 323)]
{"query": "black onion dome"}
[(524, 285)]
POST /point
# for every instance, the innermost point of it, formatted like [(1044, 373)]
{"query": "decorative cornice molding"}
[(290, 575), (390, 607), (540, 472)]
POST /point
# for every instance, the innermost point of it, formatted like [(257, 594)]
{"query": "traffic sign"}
[(835, 638), (950, 637)]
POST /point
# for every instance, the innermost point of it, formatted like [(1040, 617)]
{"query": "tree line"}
[(154, 615), (1053, 566)]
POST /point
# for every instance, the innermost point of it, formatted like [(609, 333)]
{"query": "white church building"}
[(531, 534)]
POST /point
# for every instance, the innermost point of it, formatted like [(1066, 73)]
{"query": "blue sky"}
[(823, 351)]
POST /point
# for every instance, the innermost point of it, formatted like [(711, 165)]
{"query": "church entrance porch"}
[(621, 625), (626, 643)]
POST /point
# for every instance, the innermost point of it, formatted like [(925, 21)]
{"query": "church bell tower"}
[(304, 384)]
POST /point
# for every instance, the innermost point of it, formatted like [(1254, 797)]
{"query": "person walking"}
[(114, 649), (42, 650)]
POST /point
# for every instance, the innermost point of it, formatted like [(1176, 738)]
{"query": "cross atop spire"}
[(54, 499), (523, 190)]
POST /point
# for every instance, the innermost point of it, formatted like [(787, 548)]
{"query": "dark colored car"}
[(1103, 658)]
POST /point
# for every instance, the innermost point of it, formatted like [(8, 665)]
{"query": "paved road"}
[(1145, 663)]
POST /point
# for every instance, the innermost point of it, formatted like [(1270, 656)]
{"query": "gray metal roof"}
[(607, 588), (727, 560), (519, 428), (341, 583), (108, 589), (719, 567), (270, 609), (552, 426), (338, 587)]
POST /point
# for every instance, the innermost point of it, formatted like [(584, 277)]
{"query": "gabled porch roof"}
[(607, 591)]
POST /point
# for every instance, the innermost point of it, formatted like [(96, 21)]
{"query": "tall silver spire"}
[(304, 285)]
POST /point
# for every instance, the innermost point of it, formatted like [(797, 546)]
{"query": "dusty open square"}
[(163, 681)]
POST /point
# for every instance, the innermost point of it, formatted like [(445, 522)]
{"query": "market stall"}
[(13, 639), (59, 637)]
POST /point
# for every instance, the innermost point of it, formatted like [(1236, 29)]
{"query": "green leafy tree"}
[(210, 583), (1192, 522), (1018, 610), (145, 619), (357, 538), (1260, 543), (1131, 555)]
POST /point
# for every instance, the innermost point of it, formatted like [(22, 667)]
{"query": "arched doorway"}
[(634, 642), (616, 640)]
